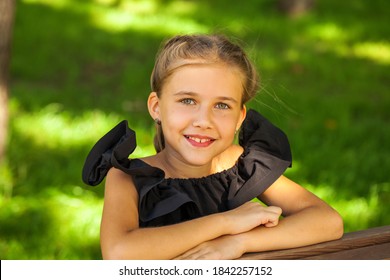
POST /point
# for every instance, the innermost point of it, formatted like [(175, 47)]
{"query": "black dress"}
[(164, 201)]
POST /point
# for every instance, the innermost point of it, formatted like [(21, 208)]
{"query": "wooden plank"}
[(375, 252), (351, 240)]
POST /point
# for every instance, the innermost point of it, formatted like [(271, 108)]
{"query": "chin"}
[(198, 162)]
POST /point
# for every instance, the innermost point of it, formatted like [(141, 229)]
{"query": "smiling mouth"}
[(199, 141)]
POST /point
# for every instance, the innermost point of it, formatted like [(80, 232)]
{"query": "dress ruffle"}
[(165, 201)]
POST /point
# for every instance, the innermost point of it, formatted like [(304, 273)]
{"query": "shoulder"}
[(119, 183), (229, 157), (234, 152), (115, 174)]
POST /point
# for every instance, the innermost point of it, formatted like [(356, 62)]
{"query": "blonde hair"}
[(184, 49)]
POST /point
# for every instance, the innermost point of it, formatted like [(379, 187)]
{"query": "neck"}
[(175, 168)]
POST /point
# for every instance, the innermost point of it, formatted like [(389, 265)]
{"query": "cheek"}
[(176, 119), (227, 125)]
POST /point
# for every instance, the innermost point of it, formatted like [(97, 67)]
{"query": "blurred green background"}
[(79, 67)]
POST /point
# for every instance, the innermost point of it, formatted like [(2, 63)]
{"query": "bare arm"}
[(307, 220), (121, 237)]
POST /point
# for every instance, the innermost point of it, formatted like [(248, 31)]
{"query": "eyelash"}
[(190, 101), (224, 105), (187, 101)]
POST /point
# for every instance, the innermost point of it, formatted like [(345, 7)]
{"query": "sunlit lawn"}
[(85, 65)]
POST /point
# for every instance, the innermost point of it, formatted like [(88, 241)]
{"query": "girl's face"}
[(200, 111)]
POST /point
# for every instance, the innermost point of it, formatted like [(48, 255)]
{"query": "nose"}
[(203, 118)]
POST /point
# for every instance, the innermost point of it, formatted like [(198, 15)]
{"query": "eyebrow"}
[(194, 94)]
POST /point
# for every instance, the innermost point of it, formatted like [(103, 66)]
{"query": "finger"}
[(195, 256), (204, 257), (271, 224), (183, 256), (189, 255), (275, 209)]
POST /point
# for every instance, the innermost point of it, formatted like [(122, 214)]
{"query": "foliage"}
[(79, 67)]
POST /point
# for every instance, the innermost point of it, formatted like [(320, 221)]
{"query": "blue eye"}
[(187, 101), (222, 106)]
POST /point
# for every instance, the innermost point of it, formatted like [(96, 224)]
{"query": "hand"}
[(239, 220), (225, 247), (251, 215)]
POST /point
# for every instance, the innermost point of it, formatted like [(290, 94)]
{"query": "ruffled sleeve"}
[(266, 156), (113, 150), (157, 203)]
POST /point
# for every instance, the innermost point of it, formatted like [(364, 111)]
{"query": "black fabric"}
[(164, 201)]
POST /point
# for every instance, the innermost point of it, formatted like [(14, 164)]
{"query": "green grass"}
[(79, 67)]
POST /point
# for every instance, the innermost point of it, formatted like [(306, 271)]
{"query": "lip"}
[(199, 141)]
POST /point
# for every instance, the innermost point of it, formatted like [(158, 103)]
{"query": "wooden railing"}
[(369, 244)]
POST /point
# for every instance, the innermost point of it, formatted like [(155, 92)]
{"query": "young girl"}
[(194, 198)]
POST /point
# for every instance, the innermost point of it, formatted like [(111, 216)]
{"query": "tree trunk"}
[(295, 8), (7, 9)]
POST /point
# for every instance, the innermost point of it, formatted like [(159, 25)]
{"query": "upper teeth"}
[(199, 140)]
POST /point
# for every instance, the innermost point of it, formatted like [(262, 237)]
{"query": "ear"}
[(154, 105), (242, 117)]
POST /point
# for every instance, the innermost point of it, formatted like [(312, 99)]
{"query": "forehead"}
[(203, 77)]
